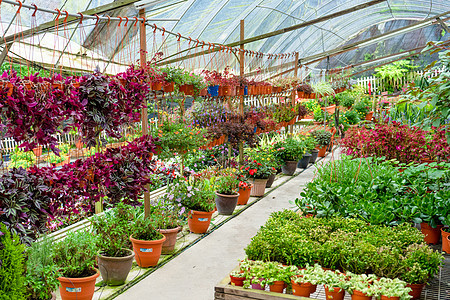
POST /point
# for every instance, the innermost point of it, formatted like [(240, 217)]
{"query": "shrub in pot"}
[(226, 192), (197, 196), (11, 265), (115, 257), (42, 273), (75, 257)]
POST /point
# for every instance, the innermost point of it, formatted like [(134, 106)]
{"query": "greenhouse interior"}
[(139, 138)]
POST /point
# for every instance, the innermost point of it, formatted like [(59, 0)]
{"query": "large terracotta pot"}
[(416, 290), (226, 203), (330, 109), (301, 289), (171, 239), (244, 195), (289, 167), (445, 241), (147, 252), (77, 288), (336, 294), (259, 187), (432, 235), (199, 221), (322, 151), (357, 295), (277, 287), (115, 270), (369, 116)]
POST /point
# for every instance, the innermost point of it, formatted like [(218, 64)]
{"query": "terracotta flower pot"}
[(383, 297), (432, 235), (77, 288), (277, 287), (292, 121), (300, 94), (259, 187), (445, 241), (313, 288), (203, 92), (357, 295), (322, 151), (270, 180), (237, 281), (115, 270), (226, 90), (199, 221), (369, 116), (157, 86), (244, 195), (37, 151), (171, 239), (187, 89), (289, 167), (301, 289), (336, 294), (416, 290), (330, 109), (226, 203), (147, 252), (168, 87)]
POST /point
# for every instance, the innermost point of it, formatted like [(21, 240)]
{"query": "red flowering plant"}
[(392, 141), (260, 164)]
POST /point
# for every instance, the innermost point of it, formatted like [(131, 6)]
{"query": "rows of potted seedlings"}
[(351, 246)]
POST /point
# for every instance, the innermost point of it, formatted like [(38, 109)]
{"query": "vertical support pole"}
[(241, 102), (144, 113), (294, 91)]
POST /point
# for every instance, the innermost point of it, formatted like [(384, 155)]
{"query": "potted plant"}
[(167, 217), (304, 91), (115, 257), (237, 278), (75, 257), (361, 286), (289, 151), (226, 192), (147, 241), (244, 191), (392, 289), (323, 89), (335, 284), (41, 271), (259, 166), (323, 139), (309, 143), (197, 196)]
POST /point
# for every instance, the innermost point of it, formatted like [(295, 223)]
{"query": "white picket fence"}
[(376, 83)]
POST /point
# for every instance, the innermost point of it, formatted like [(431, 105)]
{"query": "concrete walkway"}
[(194, 273)]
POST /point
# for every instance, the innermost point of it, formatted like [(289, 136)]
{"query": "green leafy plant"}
[(289, 150), (41, 271), (322, 137), (68, 256), (145, 229), (12, 284), (194, 194), (227, 184)]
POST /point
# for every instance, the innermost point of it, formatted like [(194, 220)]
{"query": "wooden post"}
[(294, 91), (144, 113), (241, 102)]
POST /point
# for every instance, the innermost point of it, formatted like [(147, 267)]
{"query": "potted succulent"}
[(226, 192), (290, 151), (323, 139), (115, 257), (147, 242), (167, 219), (75, 257), (41, 271), (197, 196)]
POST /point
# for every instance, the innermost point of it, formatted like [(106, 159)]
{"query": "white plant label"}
[(73, 290), (146, 249), (203, 219)]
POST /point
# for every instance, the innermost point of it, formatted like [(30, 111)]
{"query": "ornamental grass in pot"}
[(196, 196), (75, 257), (147, 242), (113, 230), (226, 192)]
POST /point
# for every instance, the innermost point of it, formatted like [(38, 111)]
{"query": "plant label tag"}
[(146, 249), (203, 219), (73, 290)]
